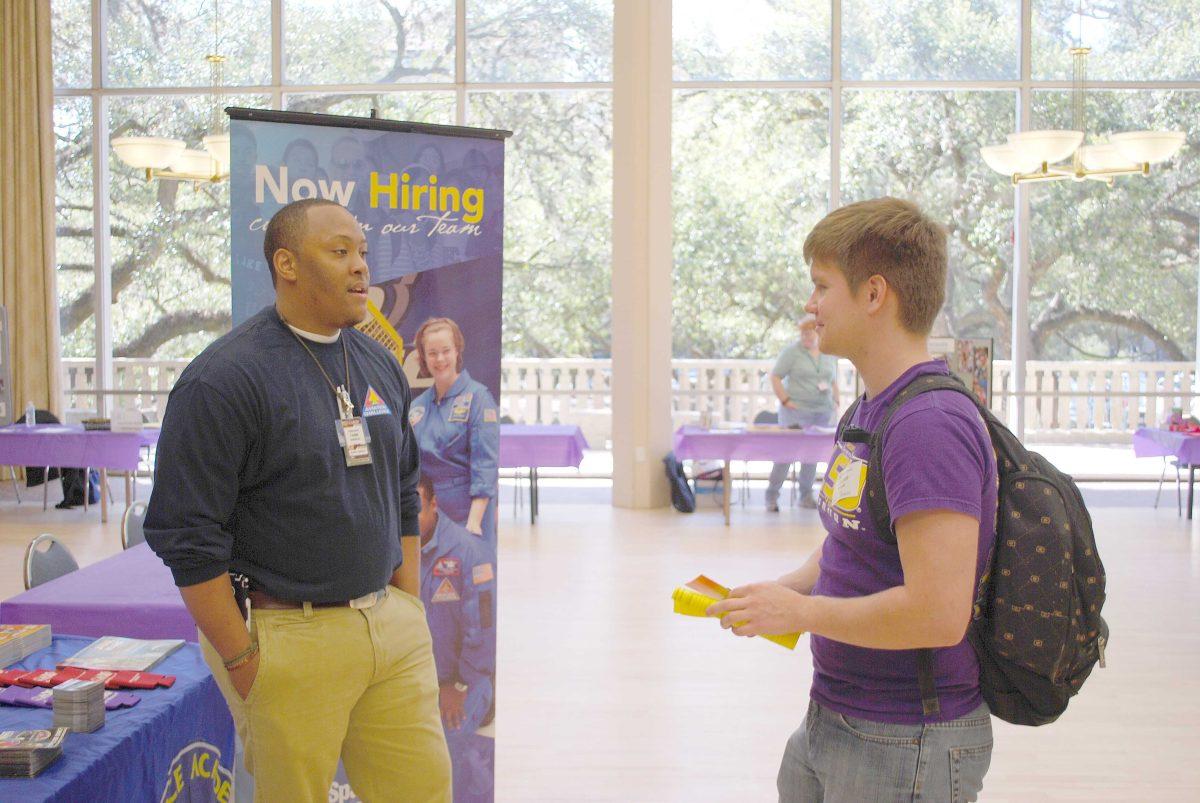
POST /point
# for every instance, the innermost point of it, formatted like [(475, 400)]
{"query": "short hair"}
[(434, 324), (894, 239), (287, 228)]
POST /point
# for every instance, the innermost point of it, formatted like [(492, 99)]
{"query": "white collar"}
[(333, 338)]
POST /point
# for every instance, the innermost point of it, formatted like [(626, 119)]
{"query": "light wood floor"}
[(604, 694)]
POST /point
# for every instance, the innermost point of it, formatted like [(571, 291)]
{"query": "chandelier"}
[(1031, 156), (171, 159)]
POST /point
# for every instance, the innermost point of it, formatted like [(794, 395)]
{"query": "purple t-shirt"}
[(936, 455)]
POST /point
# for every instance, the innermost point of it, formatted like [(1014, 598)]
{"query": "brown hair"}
[(455, 334), (894, 239)]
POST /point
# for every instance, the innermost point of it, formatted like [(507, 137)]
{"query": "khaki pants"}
[(359, 684)]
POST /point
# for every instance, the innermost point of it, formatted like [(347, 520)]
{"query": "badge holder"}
[(352, 435)]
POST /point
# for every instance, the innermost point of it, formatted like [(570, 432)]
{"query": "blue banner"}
[(430, 200)]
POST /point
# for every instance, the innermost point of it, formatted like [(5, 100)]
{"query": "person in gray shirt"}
[(805, 382)]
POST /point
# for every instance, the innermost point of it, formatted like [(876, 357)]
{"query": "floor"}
[(604, 694)]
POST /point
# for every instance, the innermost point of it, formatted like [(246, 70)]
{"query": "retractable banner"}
[(430, 201)]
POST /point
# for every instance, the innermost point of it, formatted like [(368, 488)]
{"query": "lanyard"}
[(340, 393)]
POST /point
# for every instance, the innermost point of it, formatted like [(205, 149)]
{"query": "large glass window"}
[(751, 40), (1113, 273), (930, 40), (1131, 40), (164, 42), (166, 262), (558, 220), (74, 247), (750, 178), (539, 40), (368, 41)]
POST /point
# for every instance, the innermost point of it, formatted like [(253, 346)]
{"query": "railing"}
[(1093, 401)]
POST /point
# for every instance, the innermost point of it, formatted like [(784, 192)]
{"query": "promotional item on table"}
[(78, 705), (122, 654), (24, 754), (19, 641)]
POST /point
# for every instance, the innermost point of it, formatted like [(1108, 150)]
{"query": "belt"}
[(265, 602)]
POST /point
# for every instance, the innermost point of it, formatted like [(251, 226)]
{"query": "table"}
[(1148, 442), (131, 594), (181, 736), (774, 444), (535, 446), (68, 446)]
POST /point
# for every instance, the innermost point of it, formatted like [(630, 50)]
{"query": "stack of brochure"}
[(122, 654), (23, 754), (79, 705), (19, 641)]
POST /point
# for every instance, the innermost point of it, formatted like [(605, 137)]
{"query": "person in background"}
[(458, 587), (805, 382), (286, 508), (458, 430)]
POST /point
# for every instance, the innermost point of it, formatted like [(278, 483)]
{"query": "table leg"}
[(725, 487), (103, 495), (129, 498), (87, 488), (46, 490), (535, 498), (1191, 487)]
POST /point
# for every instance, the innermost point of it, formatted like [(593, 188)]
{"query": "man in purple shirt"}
[(879, 275)]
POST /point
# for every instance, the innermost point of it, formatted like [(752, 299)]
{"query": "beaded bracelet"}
[(242, 658)]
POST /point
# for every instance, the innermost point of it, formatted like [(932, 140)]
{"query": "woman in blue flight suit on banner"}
[(458, 430)]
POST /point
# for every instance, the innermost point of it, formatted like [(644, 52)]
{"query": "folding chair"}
[(132, 532), (46, 558)]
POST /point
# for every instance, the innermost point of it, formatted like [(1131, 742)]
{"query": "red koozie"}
[(12, 677)]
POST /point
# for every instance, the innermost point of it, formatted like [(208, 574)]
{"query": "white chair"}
[(46, 558), (132, 532)]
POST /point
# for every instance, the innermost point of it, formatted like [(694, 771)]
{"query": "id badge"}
[(822, 386), (355, 441)]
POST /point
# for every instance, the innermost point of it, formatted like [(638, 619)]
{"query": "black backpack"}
[(682, 496), (1036, 623)]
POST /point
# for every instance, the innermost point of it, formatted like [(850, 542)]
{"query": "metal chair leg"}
[(12, 473), (1178, 491), (46, 489), (1161, 477)]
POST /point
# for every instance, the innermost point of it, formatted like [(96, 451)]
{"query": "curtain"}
[(27, 267)]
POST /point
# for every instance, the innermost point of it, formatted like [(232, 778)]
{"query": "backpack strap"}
[(881, 516)]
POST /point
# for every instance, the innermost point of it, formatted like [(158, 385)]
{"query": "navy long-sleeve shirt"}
[(251, 477)]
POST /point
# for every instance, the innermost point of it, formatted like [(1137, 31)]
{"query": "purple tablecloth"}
[(1164, 443), (130, 594), (776, 446), (72, 446), (541, 445)]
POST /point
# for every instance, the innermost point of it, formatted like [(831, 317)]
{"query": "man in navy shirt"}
[(287, 463)]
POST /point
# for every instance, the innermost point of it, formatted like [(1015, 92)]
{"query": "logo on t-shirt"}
[(374, 404), (844, 483)]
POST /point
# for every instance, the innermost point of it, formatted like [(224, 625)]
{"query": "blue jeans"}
[(808, 471), (835, 758)]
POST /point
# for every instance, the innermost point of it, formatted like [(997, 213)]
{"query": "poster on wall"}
[(430, 201), (970, 359)]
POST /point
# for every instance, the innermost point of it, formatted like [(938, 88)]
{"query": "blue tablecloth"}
[(164, 748)]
